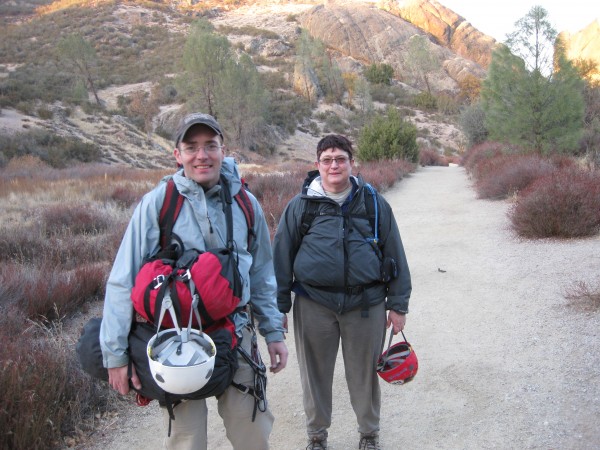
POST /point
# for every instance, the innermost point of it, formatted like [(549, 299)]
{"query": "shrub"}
[(48, 292), (274, 191), (481, 152), (45, 113), (288, 110), (472, 124), (391, 95), (383, 175), (53, 149), (563, 204), (505, 175), (425, 100), (126, 197), (76, 219), (388, 137), (447, 104), (46, 394), (431, 157), (379, 74)]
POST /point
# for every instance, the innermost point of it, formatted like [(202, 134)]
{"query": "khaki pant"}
[(318, 332), (189, 429)]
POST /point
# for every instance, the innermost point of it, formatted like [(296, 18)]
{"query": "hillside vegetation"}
[(127, 102)]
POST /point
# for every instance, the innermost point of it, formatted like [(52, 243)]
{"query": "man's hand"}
[(279, 353), (117, 378), (397, 320)]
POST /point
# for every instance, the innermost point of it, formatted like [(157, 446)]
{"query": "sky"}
[(498, 18)]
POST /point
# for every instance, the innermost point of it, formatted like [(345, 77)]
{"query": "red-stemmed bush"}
[(384, 174), (45, 394), (506, 175), (563, 204), (64, 219), (47, 292), (431, 157), (481, 152)]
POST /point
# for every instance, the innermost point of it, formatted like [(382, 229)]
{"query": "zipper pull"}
[(209, 223)]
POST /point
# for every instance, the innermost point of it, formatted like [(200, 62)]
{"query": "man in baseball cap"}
[(203, 176)]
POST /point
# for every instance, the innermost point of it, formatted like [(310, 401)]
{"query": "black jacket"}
[(333, 263)]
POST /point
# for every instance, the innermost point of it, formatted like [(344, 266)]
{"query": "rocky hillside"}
[(368, 35), (357, 33)]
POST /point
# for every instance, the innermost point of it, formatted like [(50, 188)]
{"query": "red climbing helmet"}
[(398, 364)]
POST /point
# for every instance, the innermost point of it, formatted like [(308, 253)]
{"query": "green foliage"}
[(205, 57), (242, 102), (215, 81), (421, 59), (533, 41), (388, 137), (390, 95), (425, 100), (312, 57), (248, 30), (55, 150), (472, 124), (287, 110), (379, 74), (525, 101)]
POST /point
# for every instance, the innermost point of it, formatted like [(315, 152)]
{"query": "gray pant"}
[(317, 332), (188, 430)]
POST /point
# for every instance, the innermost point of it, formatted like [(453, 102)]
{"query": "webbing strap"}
[(245, 205), (169, 212)]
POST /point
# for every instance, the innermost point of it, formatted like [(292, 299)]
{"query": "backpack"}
[(174, 269), (212, 275), (311, 210), (388, 266)]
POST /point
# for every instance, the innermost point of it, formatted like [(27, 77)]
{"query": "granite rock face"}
[(584, 44), (369, 35), (448, 28)]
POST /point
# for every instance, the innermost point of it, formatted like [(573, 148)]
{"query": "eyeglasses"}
[(340, 160), (208, 148)]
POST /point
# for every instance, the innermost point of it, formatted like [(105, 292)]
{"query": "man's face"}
[(201, 155), (335, 168)]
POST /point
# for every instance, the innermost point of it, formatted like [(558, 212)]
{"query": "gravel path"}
[(504, 361)]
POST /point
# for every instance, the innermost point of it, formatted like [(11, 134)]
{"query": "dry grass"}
[(584, 296), (59, 236)]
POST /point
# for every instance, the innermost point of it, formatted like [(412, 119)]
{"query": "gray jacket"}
[(334, 264), (200, 211)]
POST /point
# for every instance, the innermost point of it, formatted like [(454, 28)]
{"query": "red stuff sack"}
[(211, 275)]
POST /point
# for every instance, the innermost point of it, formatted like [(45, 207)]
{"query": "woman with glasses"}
[(350, 281)]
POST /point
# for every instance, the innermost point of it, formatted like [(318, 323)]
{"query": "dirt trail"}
[(505, 362)]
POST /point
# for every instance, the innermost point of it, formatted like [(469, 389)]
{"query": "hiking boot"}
[(316, 443), (369, 442)]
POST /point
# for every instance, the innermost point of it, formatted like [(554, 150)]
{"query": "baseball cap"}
[(196, 119)]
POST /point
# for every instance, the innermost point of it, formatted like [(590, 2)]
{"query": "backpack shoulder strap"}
[(245, 205), (168, 213), (310, 211), (372, 207)]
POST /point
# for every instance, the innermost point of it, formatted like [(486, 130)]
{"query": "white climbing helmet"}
[(181, 362)]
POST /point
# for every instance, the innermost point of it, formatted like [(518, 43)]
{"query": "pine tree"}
[(528, 101), (205, 56)]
